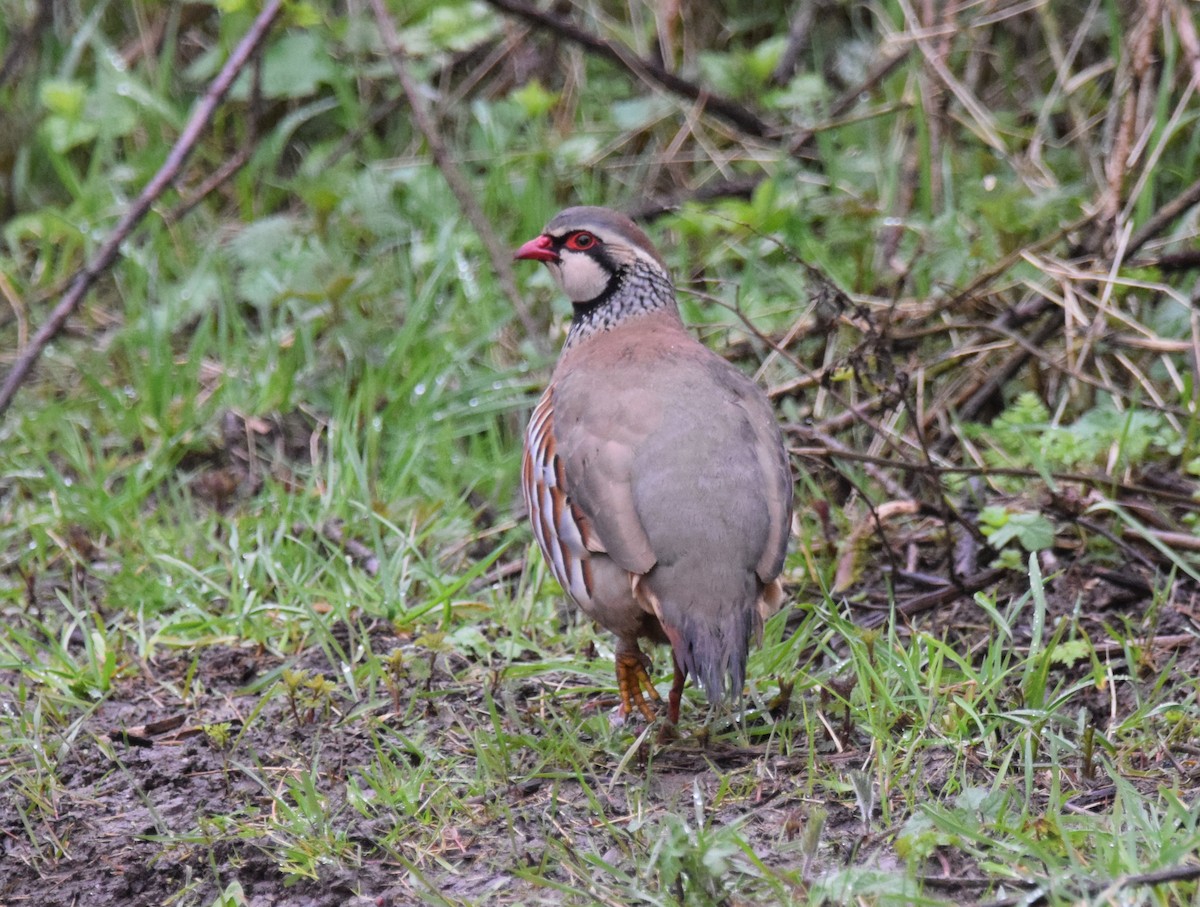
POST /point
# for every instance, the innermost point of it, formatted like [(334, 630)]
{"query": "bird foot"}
[(634, 683)]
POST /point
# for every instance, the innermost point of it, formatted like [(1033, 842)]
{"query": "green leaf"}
[(761, 61), (1069, 652), (460, 27), (63, 134), (1033, 531), (304, 15), (64, 97), (1010, 559), (639, 113), (296, 66), (1001, 526), (534, 100)]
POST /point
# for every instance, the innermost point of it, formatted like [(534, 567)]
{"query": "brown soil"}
[(133, 817)]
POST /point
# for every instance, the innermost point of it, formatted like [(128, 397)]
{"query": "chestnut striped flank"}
[(558, 526)]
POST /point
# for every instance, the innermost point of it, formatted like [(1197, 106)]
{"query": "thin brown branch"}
[(798, 145), (727, 109), (872, 466), (1186, 260), (967, 585), (1094, 480), (1011, 318), (334, 533), (25, 40), (1135, 87), (233, 164), (211, 184), (1107, 647), (463, 193), (159, 183), (737, 187), (1189, 41), (1035, 894), (798, 35), (1164, 217), (994, 381)]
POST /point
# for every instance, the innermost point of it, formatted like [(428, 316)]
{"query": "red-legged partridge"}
[(655, 474)]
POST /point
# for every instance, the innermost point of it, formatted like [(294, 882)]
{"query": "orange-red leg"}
[(633, 682)]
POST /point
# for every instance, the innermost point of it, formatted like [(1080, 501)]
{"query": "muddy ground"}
[(142, 786)]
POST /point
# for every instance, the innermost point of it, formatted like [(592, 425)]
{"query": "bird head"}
[(588, 250)]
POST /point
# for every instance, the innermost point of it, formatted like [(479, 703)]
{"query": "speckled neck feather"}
[(637, 289)]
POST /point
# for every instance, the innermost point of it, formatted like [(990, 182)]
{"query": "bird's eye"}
[(581, 241)]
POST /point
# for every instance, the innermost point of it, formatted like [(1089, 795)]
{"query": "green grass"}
[(320, 353)]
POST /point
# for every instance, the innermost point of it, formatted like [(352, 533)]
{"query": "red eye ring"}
[(581, 241)]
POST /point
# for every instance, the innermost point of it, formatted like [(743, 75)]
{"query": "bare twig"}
[(1106, 647), (977, 397), (1164, 217), (158, 184), (212, 183), (883, 67), (801, 27), (736, 187), (981, 121), (967, 585), (1036, 895), (463, 193), (1189, 41), (236, 162), (872, 466), (1135, 87), (798, 145), (1102, 481), (334, 533), (728, 110), (27, 39)]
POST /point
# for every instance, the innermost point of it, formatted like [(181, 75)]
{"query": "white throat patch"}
[(580, 277)]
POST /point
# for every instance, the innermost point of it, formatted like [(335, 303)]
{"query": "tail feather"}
[(710, 629), (714, 652)]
